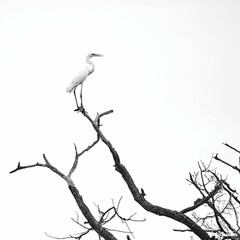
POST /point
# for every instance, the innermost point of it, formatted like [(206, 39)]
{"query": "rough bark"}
[(88, 215), (139, 198)]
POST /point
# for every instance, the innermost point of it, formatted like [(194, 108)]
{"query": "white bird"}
[(80, 78)]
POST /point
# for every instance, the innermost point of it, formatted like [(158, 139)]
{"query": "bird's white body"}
[(79, 79), (83, 74)]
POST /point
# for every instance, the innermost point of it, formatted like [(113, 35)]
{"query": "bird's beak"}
[(97, 55)]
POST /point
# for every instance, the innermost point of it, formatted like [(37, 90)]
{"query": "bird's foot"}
[(77, 109), (80, 109)]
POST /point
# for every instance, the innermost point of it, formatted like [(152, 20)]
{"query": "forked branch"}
[(95, 225), (138, 196)]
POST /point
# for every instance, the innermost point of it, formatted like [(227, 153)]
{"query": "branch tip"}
[(75, 147)]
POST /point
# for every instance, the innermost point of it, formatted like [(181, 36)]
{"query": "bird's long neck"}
[(91, 65)]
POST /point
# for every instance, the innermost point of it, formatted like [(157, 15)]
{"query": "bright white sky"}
[(171, 74)]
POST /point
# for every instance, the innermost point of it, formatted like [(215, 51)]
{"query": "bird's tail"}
[(71, 86), (69, 89)]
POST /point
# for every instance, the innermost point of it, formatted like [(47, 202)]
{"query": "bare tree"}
[(218, 220)]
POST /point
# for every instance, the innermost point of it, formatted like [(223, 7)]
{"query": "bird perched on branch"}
[(80, 78)]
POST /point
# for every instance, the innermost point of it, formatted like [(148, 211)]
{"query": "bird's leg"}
[(81, 95), (81, 107), (74, 91)]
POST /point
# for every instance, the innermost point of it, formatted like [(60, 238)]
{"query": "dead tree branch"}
[(216, 192), (226, 163), (222, 217), (138, 196), (95, 225)]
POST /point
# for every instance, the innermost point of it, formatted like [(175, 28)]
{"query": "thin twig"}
[(231, 147), (77, 155), (226, 163)]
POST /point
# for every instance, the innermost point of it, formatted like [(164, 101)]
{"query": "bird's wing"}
[(79, 79)]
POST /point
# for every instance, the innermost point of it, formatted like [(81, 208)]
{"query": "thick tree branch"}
[(88, 215), (78, 198), (96, 127), (138, 197), (208, 182)]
